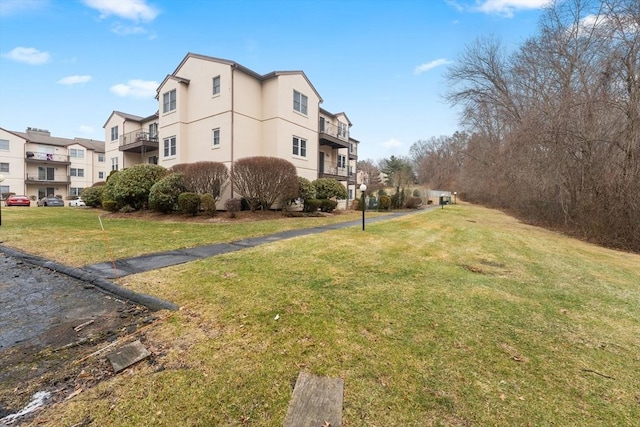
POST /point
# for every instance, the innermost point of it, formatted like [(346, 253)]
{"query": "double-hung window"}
[(76, 153), (4, 167), (100, 175), (114, 133), (114, 163), (77, 172), (216, 85), (169, 101), (299, 102), (169, 147), (342, 161), (4, 144), (216, 137), (299, 147), (101, 158)]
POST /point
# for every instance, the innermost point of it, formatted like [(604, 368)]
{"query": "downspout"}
[(233, 67)]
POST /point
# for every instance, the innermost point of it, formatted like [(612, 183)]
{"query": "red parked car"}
[(17, 201)]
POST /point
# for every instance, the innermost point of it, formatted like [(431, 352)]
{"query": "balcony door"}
[(46, 174), (321, 165)]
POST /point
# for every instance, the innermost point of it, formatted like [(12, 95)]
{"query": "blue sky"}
[(65, 65)]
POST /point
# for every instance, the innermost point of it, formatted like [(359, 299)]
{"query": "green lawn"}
[(461, 316)]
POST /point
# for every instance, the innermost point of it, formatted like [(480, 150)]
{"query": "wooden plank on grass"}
[(316, 402)]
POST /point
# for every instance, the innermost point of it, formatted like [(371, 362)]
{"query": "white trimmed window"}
[(100, 175), (4, 144), (342, 161), (169, 147), (299, 102), (4, 167), (101, 158), (114, 163), (169, 101), (299, 147), (79, 172), (216, 85), (216, 137), (75, 191), (114, 133), (77, 153)]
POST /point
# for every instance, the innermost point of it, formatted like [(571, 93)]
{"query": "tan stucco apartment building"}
[(212, 109), (36, 164)]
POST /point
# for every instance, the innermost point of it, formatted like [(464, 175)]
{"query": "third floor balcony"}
[(332, 135), (138, 141)]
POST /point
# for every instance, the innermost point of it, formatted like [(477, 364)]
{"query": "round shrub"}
[(92, 196), (384, 203), (132, 185), (416, 193), (208, 203), (312, 205), (329, 188), (189, 203), (328, 205), (163, 195), (412, 202), (110, 205), (232, 206)]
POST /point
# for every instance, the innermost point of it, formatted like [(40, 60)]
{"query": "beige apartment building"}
[(36, 164), (212, 109)]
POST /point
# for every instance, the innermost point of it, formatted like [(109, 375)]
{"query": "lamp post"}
[(442, 200), (1, 179), (455, 193), (363, 200)]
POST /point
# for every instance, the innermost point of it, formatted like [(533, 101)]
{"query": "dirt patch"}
[(50, 323)]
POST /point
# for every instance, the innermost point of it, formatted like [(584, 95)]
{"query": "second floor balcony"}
[(138, 141), (47, 179), (337, 171), (45, 158)]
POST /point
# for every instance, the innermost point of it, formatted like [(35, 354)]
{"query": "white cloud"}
[(86, 130), (14, 7), (135, 89), (431, 65), (74, 80), (134, 10), (506, 8), (391, 144), (28, 55), (124, 30)]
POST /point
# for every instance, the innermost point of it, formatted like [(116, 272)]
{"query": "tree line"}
[(551, 129)]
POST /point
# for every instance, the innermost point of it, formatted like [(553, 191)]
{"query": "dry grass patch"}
[(546, 339)]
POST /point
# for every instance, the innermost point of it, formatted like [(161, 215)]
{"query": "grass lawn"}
[(461, 316)]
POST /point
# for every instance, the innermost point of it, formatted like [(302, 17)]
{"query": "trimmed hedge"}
[(189, 203)]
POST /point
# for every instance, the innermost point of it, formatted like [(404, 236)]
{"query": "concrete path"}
[(140, 264)]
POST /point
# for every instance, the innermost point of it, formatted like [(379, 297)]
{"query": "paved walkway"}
[(140, 264)]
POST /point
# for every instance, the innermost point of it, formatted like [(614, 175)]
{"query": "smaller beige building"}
[(36, 164)]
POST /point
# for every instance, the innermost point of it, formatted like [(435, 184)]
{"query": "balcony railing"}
[(37, 179), (46, 157), (137, 136), (340, 132), (333, 169)]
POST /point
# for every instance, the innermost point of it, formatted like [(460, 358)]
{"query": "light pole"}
[(442, 200), (455, 193), (363, 200), (1, 179)]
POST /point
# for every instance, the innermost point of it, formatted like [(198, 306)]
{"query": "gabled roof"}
[(323, 111), (235, 65), (126, 116)]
